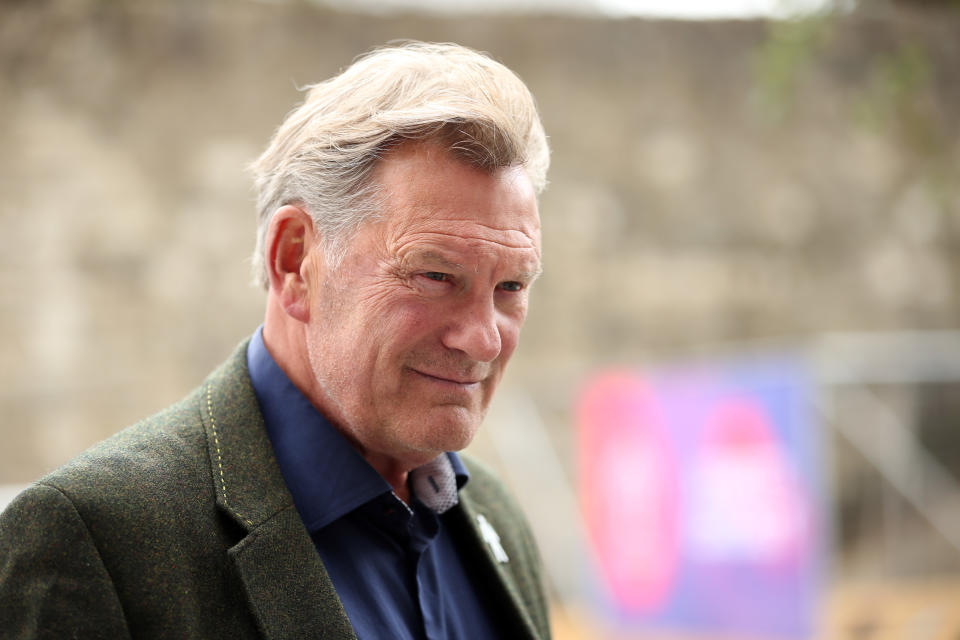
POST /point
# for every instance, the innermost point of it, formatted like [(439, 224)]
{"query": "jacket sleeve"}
[(53, 583)]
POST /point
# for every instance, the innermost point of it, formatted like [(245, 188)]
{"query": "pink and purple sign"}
[(701, 491)]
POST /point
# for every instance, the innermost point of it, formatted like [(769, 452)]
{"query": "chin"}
[(452, 434), (461, 442)]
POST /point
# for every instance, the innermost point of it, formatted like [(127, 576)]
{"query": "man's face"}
[(409, 336)]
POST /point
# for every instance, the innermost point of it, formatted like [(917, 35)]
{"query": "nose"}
[(474, 330)]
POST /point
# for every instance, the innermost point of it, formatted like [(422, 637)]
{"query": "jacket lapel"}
[(286, 583), (289, 590), (477, 544)]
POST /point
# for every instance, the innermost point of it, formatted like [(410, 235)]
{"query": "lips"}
[(452, 379)]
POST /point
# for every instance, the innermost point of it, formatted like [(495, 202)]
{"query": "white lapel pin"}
[(492, 538)]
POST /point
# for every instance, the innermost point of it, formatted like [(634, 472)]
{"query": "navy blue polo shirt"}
[(395, 566)]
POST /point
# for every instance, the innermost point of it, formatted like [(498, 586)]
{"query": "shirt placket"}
[(424, 527)]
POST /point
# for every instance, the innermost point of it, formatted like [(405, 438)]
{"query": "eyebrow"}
[(530, 276), (437, 258)]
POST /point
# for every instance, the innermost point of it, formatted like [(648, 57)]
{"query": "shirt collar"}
[(326, 476)]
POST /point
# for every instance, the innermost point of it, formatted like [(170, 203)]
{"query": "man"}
[(307, 488)]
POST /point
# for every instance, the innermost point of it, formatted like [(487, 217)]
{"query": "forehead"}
[(432, 197)]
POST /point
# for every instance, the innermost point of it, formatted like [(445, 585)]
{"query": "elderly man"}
[(308, 489)]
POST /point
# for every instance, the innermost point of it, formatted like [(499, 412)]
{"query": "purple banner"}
[(702, 495)]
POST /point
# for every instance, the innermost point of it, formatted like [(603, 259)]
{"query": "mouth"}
[(466, 383)]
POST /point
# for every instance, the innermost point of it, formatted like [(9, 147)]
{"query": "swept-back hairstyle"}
[(323, 156)]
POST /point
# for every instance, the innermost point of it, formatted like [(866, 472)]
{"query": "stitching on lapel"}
[(216, 442)]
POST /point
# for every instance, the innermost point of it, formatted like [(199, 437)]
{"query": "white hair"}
[(323, 155)]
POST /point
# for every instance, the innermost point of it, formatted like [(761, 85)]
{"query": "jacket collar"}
[(288, 588)]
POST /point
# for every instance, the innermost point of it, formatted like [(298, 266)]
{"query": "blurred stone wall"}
[(711, 182)]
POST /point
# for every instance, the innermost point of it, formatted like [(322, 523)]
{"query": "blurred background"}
[(734, 410)]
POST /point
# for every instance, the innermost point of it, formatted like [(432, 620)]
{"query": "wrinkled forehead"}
[(423, 185)]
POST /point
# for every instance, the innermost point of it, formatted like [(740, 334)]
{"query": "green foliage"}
[(899, 100), (896, 97), (895, 94), (791, 46)]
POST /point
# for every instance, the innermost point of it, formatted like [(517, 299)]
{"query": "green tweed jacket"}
[(181, 526)]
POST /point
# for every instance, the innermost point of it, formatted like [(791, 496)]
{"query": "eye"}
[(437, 276), (511, 286)]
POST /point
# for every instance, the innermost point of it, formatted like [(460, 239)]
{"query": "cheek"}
[(399, 324)]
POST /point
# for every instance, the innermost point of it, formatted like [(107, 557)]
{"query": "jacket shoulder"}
[(162, 457), (143, 459), (487, 489), (138, 513)]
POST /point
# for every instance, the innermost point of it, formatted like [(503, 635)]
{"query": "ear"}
[(290, 238)]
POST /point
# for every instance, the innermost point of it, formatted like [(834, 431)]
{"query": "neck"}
[(394, 474), (285, 340)]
